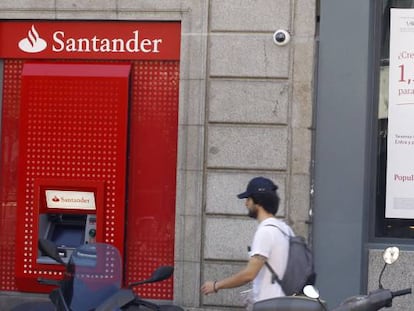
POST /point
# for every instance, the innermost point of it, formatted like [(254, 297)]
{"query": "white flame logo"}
[(33, 43)]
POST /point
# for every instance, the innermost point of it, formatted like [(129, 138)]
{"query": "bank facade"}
[(212, 100)]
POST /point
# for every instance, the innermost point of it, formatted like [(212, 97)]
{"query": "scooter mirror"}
[(311, 291), (391, 254), (162, 273)]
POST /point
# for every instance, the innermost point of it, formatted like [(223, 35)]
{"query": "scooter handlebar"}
[(375, 300), (401, 292)]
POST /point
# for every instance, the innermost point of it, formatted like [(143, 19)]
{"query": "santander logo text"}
[(114, 45), (33, 43), (61, 42)]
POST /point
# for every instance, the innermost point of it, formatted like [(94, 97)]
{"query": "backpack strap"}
[(284, 233), (275, 278)]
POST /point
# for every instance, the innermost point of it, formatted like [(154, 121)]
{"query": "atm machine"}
[(72, 162), (68, 220), (68, 216)]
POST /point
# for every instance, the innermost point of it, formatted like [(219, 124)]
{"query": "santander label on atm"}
[(64, 199), (90, 40)]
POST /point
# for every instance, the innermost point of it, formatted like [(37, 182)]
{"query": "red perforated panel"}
[(8, 168), (151, 172), (73, 128)]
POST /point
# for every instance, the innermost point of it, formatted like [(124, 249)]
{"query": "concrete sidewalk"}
[(8, 300)]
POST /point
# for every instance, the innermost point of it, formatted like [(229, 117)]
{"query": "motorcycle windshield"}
[(94, 274)]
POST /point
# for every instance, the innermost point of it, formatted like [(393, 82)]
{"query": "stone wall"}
[(258, 122), (245, 110)]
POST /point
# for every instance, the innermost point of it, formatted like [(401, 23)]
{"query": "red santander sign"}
[(90, 40)]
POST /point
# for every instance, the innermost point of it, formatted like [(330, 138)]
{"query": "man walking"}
[(269, 244)]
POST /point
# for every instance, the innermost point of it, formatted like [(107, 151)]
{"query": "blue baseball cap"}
[(258, 185)]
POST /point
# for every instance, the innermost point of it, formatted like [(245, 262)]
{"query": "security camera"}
[(281, 37)]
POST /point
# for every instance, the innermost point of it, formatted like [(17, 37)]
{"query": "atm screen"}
[(67, 235)]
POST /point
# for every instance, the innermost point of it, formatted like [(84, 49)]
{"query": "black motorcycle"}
[(92, 282), (310, 301)]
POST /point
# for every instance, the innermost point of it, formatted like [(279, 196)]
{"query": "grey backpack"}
[(300, 268)]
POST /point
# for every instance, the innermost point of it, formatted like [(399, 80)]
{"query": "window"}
[(386, 227)]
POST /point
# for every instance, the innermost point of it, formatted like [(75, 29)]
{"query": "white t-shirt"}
[(269, 242)]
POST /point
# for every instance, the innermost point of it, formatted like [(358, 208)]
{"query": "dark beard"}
[(252, 213)]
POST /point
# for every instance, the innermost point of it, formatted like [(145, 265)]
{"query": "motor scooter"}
[(310, 301), (92, 282)]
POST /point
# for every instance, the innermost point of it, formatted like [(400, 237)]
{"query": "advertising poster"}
[(400, 156)]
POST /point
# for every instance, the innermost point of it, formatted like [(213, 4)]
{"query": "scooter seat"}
[(288, 303)]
